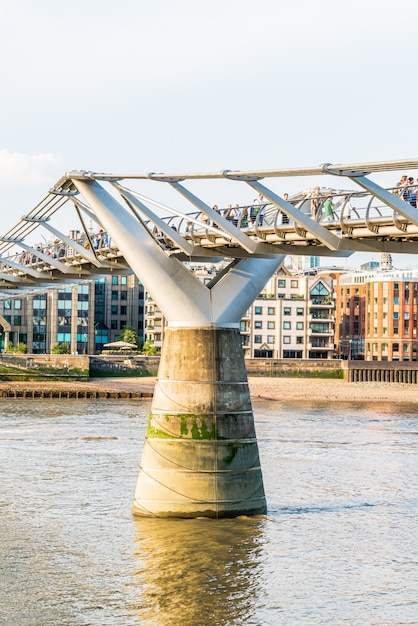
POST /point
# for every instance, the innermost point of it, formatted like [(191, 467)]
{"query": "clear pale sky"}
[(190, 86)]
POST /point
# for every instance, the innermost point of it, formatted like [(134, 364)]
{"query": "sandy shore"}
[(262, 388)]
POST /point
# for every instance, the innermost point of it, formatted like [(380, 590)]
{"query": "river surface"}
[(339, 544)]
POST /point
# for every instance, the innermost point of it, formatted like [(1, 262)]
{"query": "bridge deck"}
[(370, 219)]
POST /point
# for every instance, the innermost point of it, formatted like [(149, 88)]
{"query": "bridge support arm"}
[(235, 292), (330, 240), (178, 294), (397, 204)]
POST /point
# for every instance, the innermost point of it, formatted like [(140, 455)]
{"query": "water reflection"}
[(198, 571)]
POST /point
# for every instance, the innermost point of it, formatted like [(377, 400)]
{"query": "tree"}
[(129, 335), (149, 349), (21, 348), (60, 348)]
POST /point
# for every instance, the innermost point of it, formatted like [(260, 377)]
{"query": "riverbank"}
[(261, 388)]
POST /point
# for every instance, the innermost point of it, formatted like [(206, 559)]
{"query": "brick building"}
[(377, 315)]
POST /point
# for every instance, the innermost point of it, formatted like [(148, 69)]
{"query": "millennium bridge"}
[(201, 455)]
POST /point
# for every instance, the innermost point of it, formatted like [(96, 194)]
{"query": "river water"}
[(339, 544)]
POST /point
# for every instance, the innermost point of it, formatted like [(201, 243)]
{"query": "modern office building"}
[(85, 315)]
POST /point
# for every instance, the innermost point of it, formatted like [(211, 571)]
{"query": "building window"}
[(123, 280), (258, 310), (114, 309), (64, 337), (115, 295), (292, 354), (123, 310), (299, 311), (38, 303), (7, 304), (287, 310), (18, 320), (299, 325), (281, 283), (271, 325), (257, 339), (299, 339), (294, 284), (17, 305), (258, 324), (123, 295), (270, 338), (115, 280), (320, 290), (286, 325), (271, 310), (286, 338)]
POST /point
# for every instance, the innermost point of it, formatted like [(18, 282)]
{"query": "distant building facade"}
[(85, 315), (376, 315), (292, 318)]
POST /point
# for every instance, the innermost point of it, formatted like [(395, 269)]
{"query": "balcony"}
[(321, 330), (315, 345), (321, 302), (321, 316)]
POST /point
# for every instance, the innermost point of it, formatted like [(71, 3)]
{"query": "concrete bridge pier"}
[(200, 456)]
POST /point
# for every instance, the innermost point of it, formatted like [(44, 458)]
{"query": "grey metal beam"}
[(329, 240), (316, 170), (86, 254), (182, 298), (235, 233), (186, 217), (44, 257), (396, 203), (10, 278), (134, 203), (86, 210), (23, 268)]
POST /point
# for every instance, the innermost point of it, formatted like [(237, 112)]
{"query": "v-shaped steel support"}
[(182, 298)]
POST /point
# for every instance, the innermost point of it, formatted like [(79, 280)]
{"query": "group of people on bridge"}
[(407, 189), (61, 250)]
